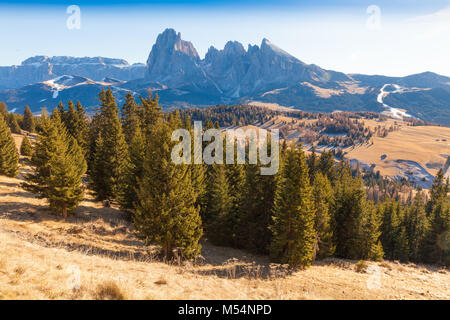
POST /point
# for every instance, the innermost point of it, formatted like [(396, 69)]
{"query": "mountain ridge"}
[(232, 75)]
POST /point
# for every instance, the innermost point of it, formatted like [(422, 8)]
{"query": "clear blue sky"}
[(410, 36)]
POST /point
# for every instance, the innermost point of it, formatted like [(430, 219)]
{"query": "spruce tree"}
[(13, 124), (26, 149), (357, 222), (130, 116), (166, 213), (323, 223), (111, 157), (327, 167), (293, 213), (255, 211), (219, 224), (393, 233), (4, 110), (369, 233), (76, 123), (9, 158), (236, 183), (417, 227), (134, 170), (58, 166), (28, 120), (313, 165), (436, 248)]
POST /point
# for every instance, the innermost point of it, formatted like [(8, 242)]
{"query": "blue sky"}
[(396, 38)]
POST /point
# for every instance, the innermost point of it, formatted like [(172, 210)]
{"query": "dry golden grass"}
[(427, 145), (94, 255)]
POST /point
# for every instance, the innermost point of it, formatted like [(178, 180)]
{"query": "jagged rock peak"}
[(171, 40)]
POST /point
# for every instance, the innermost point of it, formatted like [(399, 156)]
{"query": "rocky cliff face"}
[(42, 68), (234, 71)]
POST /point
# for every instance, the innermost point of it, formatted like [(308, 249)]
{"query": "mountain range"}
[(232, 75)]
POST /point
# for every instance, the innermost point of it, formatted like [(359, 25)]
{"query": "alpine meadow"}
[(225, 174)]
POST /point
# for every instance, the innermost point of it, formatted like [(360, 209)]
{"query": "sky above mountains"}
[(353, 36)]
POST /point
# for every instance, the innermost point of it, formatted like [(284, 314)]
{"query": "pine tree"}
[(135, 169), (131, 117), (255, 214), (75, 121), (219, 223), (111, 158), (371, 247), (417, 227), (28, 120), (166, 213), (9, 158), (293, 213), (436, 249), (393, 233), (4, 110), (26, 148), (323, 224), (58, 165), (236, 179), (82, 125), (327, 167), (313, 165), (357, 222), (13, 124)]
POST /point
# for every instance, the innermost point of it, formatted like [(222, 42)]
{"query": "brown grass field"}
[(427, 145), (95, 255)]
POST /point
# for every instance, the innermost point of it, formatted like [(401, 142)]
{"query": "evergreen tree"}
[(323, 223), (28, 120), (58, 165), (256, 210), (313, 165), (9, 159), (166, 213), (131, 117), (436, 248), (135, 169), (13, 124), (75, 121), (417, 227), (26, 148), (111, 158), (357, 222), (219, 223), (293, 213), (327, 167), (236, 179), (82, 134), (371, 247), (393, 233), (4, 110)]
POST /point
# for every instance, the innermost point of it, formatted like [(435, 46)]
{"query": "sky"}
[(395, 38)]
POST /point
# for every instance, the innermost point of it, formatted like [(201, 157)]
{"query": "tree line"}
[(311, 209)]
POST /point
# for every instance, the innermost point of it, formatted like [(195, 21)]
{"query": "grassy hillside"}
[(94, 255)]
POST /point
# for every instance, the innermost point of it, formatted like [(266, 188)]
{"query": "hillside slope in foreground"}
[(94, 255)]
